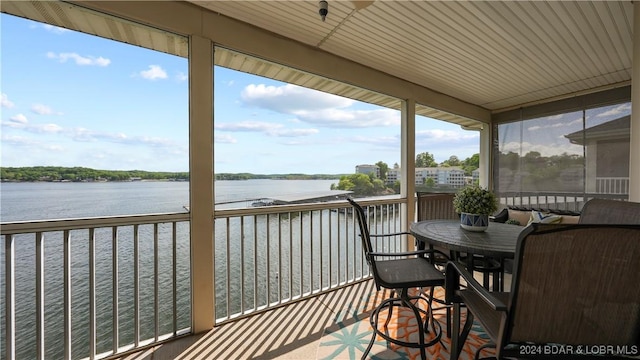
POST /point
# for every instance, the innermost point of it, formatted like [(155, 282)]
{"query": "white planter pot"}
[(474, 222)]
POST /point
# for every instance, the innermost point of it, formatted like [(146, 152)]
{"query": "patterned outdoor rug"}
[(351, 332)]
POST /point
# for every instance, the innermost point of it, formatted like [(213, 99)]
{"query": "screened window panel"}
[(580, 152)]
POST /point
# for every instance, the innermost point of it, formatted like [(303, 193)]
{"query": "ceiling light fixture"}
[(324, 8)]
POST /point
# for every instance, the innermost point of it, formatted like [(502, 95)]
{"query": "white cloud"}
[(548, 124), (79, 60), (182, 76), (342, 118), (384, 141), (44, 110), (5, 102), (615, 111), (267, 128), (294, 132), (46, 128), (445, 136), (224, 139), (17, 140), (316, 107), (55, 29), (155, 72), (19, 119), (289, 99), (252, 126)]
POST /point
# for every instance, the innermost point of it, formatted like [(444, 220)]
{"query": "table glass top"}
[(499, 240)]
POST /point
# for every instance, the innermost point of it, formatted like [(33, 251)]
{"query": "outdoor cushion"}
[(544, 218)]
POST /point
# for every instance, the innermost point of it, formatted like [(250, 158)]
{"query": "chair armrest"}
[(454, 272), (390, 234), (406, 253)]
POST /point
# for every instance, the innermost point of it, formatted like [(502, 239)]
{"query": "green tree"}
[(360, 184), (425, 160), (378, 186), (429, 182), (452, 161), (471, 163), (384, 168)]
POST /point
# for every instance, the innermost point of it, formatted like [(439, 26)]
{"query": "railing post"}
[(10, 299)]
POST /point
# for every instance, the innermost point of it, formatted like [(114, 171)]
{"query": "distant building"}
[(368, 169), (442, 176), (475, 176), (393, 175)]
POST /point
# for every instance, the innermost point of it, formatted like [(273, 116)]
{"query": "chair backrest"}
[(435, 206), (365, 237), (605, 211), (364, 231), (575, 284)]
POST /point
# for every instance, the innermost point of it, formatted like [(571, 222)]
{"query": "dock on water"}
[(306, 197)]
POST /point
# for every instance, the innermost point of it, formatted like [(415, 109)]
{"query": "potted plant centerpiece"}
[(475, 204)]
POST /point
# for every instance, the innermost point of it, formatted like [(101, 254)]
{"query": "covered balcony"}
[(525, 76)]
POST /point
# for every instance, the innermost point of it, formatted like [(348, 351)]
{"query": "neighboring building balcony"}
[(612, 185)]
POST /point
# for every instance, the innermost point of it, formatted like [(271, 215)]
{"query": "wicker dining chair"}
[(607, 211), (400, 272), (573, 286)]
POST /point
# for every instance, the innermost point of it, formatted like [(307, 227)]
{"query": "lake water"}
[(38, 201)]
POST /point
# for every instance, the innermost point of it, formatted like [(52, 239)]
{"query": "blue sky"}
[(71, 99)]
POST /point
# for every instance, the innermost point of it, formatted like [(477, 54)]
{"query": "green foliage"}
[(475, 200), (57, 173), (361, 185), (541, 173), (425, 160), (471, 163), (396, 187), (452, 161), (429, 182), (384, 168)]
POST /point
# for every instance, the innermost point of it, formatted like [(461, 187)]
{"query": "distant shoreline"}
[(81, 174)]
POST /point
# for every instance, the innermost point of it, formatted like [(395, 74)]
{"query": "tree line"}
[(78, 174)]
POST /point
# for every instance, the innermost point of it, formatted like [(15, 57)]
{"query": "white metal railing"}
[(90, 288), (98, 287), (612, 185), (551, 200), (270, 256)]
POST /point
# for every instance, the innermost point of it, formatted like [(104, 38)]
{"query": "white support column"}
[(634, 144), (485, 157), (408, 159), (201, 194)]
